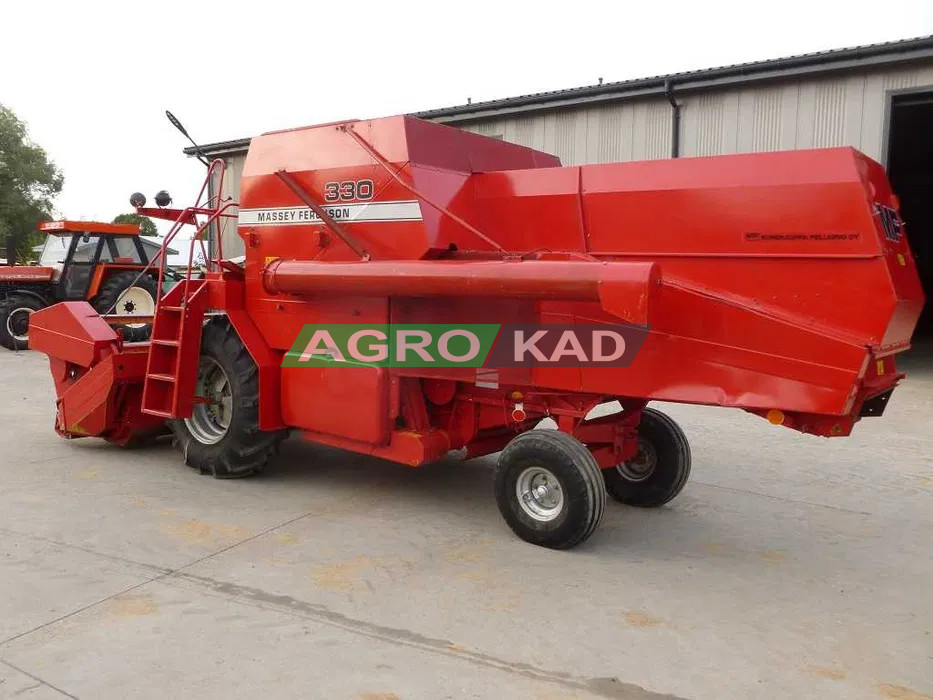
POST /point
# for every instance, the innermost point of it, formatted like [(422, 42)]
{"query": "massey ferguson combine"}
[(778, 283)]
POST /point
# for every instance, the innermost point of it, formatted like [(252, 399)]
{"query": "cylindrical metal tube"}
[(516, 279)]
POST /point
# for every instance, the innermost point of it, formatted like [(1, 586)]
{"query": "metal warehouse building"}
[(877, 98)]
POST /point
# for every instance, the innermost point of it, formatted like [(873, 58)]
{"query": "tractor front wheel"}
[(15, 311), (129, 294), (549, 489), (660, 468), (222, 436)]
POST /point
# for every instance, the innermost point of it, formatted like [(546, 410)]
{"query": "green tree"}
[(29, 182), (146, 226)]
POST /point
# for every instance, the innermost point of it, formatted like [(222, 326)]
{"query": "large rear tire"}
[(122, 293), (549, 489), (659, 470), (15, 311), (222, 437)]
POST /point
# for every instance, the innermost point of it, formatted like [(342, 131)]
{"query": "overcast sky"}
[(92, 80)]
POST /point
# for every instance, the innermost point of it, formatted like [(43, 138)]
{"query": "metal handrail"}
[(188, 216)]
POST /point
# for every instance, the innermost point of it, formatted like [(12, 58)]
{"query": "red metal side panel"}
[(348, 402), (25, 273), (531, 209), (343, 401), (792, 232), (714, 206), (897, 254), (418, 176), (86, 407), (71, 331), (435, 146)]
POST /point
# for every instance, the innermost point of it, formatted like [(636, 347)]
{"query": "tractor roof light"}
[(163, 198), (137, 200)]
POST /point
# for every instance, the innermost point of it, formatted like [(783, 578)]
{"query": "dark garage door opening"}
[(910, 167)]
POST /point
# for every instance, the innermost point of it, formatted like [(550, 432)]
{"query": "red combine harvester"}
[(779, 283)]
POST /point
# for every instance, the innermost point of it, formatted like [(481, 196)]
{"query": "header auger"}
[(778, 283)]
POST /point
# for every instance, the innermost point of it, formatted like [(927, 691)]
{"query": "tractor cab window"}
[(55, 250), (86, 250), (121, 249)]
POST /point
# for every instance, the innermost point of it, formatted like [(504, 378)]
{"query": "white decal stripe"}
[(351, 212)]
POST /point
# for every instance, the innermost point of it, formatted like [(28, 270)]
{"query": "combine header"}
[(779, 283)]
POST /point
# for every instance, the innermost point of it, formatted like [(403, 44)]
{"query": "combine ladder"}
[(175, 344), (172, 368)]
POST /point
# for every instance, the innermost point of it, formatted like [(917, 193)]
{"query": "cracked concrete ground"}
[(790, 567)]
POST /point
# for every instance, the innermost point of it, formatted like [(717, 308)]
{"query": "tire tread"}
[(246, 449), (638, 493), (560, 445), (7, 305)]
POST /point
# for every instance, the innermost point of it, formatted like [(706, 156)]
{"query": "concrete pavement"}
[(791, 567)]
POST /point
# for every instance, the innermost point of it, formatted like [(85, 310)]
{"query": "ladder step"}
[(179, 315)]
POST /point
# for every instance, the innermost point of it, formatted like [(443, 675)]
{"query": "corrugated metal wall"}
[(779, 115), (817, 112), (232, 243)]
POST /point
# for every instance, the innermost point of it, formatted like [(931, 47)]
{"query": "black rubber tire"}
[(110, 291), (670, 472), (577, 474), (245, 449), (9, 306)]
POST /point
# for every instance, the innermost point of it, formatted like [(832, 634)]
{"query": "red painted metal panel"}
[(71, 331), (346, 402), (89, 227), (26, 273)]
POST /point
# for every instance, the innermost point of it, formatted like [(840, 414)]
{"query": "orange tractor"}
[(81, 260)]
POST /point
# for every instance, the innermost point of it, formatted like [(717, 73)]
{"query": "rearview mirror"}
[(177, 124)]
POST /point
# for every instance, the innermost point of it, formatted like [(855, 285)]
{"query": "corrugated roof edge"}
[(220, 148), (819, 61)]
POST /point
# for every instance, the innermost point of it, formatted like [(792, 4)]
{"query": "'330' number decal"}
[(348, 190)]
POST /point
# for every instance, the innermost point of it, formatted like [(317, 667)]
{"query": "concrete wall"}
[(815, 112)]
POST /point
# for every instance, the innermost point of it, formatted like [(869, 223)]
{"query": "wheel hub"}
[(213, 409), (135, 301), (642, 465), (539, 493)]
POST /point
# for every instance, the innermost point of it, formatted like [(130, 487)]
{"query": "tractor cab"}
[(78, 253), (104, 264)]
